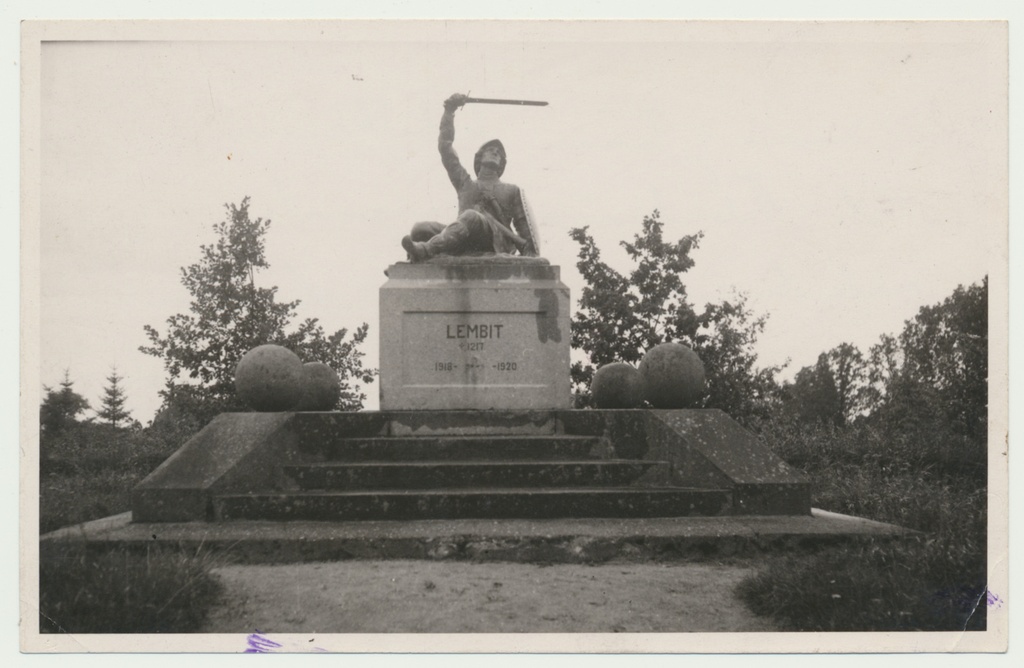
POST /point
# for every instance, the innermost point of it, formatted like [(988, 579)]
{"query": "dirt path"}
[(452, 597)]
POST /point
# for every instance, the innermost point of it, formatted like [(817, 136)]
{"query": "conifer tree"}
[(113, 401), (61, 407)]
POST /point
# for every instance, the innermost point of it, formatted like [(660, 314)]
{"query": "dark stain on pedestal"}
[(547, 316)]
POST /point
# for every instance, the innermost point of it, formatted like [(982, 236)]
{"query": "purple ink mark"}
[(258, 644), (993, 600)]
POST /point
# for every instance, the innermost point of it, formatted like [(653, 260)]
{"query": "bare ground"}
[(454, 597)]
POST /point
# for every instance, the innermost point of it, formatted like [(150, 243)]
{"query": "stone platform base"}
[(587, 541)]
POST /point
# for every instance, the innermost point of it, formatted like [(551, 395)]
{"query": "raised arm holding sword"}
[(492, 216)]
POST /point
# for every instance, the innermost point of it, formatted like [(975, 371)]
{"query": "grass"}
[(866, 587), (936, 582), (85, 590), (71, 499), (88, 473)]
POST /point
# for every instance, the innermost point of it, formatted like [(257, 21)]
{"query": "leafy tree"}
[(230, 314), (885, 359), (937, 366), (813, 395), (61, 407), (848, 368), (833, 390), (621, 317), (946, 346), (113, 401), (725, 338)]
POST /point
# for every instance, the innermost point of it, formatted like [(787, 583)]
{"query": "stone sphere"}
[(672, 376), (320, 387), (617, 385), (269, 378)]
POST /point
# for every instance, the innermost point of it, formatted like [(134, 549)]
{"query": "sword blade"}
[(486, 100)]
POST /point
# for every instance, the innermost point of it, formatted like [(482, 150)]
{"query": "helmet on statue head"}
[(478, 158)]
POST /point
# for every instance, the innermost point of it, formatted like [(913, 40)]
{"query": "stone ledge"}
[(482, 258), (526, 541), (465, 269)]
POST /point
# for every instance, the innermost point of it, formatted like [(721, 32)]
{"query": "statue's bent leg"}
[(469, 233), (425, 231), (481, 236)]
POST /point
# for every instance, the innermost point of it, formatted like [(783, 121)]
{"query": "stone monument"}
[(475, 320), (475, 418)]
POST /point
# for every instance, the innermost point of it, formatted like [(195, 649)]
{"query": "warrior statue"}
[(493, 216)]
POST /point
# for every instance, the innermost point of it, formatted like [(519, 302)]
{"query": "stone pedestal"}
[(474, 334)]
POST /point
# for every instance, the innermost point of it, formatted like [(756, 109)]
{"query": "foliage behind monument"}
[(112, 403), (928, 384), (61, 407), (622, 316), (897, 435), (230, 314)]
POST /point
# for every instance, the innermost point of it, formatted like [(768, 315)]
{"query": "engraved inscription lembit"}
[(483, 349)]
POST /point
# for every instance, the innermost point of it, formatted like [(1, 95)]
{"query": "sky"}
[(843, 175)]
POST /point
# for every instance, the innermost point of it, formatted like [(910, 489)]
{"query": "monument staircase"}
[(422, 465), (475, 465)]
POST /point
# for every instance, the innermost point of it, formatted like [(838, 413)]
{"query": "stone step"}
[(434, 448), (474, 503), (329, 426), (471, 422), (452, 474)]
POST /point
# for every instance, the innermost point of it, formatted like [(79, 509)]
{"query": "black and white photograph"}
[(611, 336)]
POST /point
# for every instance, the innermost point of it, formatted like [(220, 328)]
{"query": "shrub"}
[(88, 472), (936, 581), (874, 586), (86, 590), (79, 497)]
